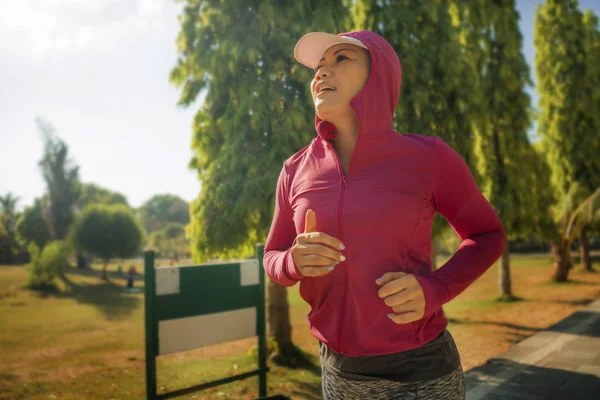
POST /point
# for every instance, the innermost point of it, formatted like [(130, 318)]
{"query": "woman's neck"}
[(346, 132), (346, 136)]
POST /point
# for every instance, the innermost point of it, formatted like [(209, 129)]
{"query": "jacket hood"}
[(375, 104)]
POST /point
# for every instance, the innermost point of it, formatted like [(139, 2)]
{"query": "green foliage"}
[(170, 241), (62, 182), (490, 35), (258, 110), (271, 348), (157, 241), (449, 241), (172, 230), (46, 265), (163, 209), (438, 94), (568, 74), (9, 245), (7, 251), (108, 231), (542, 197), (567, 51), (93, 194), (578, 208), (31, 226)]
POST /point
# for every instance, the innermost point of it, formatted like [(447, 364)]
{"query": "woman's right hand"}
[(316, 253)]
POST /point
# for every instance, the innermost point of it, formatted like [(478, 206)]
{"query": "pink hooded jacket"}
[(383, 212)]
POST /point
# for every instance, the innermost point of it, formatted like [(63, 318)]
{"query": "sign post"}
[(187, 307)]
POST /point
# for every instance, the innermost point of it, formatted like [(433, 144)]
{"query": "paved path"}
[(561, 362)]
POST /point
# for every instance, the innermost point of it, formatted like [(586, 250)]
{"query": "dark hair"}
[(368, 58)]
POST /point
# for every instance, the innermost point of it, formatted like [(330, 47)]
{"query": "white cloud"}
[(63, 42), (83, 36), (149, 7), (40, 26)]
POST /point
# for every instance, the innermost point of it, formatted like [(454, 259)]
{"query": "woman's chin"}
[(325, 111)]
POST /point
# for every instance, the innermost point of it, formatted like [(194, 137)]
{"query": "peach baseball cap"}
[(310, 48)]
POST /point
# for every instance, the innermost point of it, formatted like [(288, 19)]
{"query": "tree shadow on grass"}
[(580, 302), (522, 331), (111, 299), (308, 391), (310, 363)]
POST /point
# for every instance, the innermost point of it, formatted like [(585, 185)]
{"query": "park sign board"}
[(187, 307)]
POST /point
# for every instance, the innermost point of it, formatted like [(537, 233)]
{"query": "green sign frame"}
[(216, 303)]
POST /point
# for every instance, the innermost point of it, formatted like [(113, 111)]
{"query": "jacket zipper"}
[(344, 189), (340, 217)]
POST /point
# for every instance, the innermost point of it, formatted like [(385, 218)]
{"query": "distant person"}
[(352, 223), (131, 274)]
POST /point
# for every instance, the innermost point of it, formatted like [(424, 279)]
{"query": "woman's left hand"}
[(404, 294)]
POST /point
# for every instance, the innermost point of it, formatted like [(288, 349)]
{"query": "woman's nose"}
[(324, 72)]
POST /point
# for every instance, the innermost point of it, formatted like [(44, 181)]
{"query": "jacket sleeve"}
[(458, 199), (278, 262)]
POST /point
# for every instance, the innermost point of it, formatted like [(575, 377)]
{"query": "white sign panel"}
[(167, 280), (249, 273)]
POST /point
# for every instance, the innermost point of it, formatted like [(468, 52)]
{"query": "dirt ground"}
[(91, 346)]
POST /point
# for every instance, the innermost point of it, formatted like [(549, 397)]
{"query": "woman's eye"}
[(338, 59)]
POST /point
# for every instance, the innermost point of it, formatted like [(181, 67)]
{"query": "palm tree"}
[(572, 217), (8, 210)]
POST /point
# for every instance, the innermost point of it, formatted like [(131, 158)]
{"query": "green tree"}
[(172, 231), (592, 46), (62, 182), (490, 34), (438, 91), (161, 209), (108, 232), (577, 209), (91, 193), (438, 95), (157, 241), (7, 252), (257, 112), (46, 265), (31, 226), (8, 218), (569, 124)]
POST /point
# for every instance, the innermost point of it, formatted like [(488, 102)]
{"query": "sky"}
[(97, 70)]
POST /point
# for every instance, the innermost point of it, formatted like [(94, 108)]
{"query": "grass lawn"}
[(87, 340)]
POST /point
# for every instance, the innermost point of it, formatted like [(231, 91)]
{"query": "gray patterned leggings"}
[(336, 387)]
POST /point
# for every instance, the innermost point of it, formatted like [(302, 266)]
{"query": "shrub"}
[(46, 265)]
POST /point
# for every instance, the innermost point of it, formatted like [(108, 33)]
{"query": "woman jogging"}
[(352, 224)]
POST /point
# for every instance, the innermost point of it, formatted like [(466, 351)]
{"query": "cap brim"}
[(310, 48)]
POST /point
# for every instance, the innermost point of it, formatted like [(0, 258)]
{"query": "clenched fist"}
[(316, 253), (403, 293)]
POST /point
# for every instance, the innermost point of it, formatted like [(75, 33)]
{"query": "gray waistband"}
[(434, 359)]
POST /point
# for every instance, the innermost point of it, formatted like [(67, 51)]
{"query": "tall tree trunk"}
[(279, 323), (584, 251), (562, 260), (504, 282)]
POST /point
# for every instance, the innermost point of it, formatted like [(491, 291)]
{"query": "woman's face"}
[(340, 75)]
